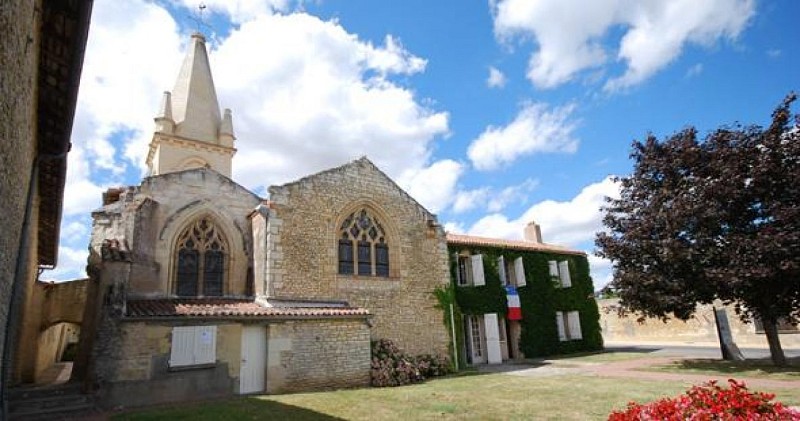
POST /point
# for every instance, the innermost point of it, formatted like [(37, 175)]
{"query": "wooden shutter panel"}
[(553, 268), (563, 269), (562, 333), (205, 345), (519, 272), (477, 270), (182, 352), (493, 352), (574, 320), (501, 270)]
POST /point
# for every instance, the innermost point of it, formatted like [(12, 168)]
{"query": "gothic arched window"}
[(200, 260), (363, 249)]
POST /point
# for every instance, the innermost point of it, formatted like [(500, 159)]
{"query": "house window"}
[(569, 325), (363, 249), (201, 260), (512, 272), (193, 345), (469, 270), (559, 271)]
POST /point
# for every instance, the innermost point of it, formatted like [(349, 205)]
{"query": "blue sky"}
[(491, 114)]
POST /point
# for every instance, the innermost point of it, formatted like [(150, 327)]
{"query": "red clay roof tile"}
[(230, 308), (471, 240)]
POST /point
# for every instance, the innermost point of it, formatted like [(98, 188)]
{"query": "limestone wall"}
[(315, 354), (19, 47), (699, 330), (302, 244)]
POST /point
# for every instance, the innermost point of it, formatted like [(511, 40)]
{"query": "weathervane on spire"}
[(198, 18)]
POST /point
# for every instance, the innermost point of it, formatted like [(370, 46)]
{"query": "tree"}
[(714, 219)]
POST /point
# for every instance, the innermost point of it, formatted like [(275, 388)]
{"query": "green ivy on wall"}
[(540, 299)]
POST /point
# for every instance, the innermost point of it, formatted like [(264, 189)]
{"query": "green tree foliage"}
[(712, 219)]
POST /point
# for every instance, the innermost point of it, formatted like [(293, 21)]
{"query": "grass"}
[(601, 356), (757, 369), (486, 396)]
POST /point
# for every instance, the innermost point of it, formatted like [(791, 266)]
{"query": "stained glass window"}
[(363, 249), (200, 260)]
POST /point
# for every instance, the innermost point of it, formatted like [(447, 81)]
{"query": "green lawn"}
[(761, 368), (601, 356), (485, 396)]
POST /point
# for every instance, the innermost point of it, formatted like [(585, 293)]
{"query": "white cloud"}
[(496, 78), (695, 70), (573, 35), (536, 128), (71, 264), (306, 95), (492, 200), (433, 186), (570, 223), (602, 273)]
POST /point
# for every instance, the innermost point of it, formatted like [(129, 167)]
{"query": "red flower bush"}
[(710, 402)]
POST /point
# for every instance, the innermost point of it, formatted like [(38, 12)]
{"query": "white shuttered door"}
[(493, 352), (254, 359), (182, 352)]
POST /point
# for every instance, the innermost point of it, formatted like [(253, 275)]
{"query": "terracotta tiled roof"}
[(232, 309), (471, 240)]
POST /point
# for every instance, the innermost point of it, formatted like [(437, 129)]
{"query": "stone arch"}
[(387, 223), (193, 162), (237, 256)]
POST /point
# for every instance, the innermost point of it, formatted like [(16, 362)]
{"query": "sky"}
[(491, 114)]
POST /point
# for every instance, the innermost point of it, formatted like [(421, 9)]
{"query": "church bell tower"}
[(190, 133)]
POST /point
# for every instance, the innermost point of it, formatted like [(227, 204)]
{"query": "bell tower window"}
[(363, 249), (201, 260)]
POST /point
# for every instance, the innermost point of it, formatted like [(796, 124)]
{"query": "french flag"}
[(514, 309)]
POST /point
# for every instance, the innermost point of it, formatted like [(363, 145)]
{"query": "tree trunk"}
[(775, 350)]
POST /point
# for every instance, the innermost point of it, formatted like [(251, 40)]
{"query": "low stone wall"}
[(308, 355), (699, 330)]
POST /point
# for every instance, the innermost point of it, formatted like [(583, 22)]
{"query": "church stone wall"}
[(308, 355), (303, 245), (18, 61)]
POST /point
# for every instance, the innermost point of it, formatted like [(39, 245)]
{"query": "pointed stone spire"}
[(194, 100), (164, 121)]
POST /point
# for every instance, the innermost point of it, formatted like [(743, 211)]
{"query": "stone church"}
[(199, 287)]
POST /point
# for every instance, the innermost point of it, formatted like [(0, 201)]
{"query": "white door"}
[(493, 353), (254, 359), (475, 338)]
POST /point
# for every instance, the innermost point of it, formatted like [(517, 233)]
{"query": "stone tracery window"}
[(200, 260), (363, 249)]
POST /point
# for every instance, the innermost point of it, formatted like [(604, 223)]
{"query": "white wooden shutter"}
[(562, 333), (563, 269), (493, 352), (458, 270), (501, 270), (519, 272), (205, 345), (182, 352), (477, 270), (553, 268), (574, 320)]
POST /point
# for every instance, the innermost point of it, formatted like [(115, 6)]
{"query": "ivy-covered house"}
[(517, 299)]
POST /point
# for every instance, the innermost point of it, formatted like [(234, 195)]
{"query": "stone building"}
[(202, 288), (516, 299), (41, 55)]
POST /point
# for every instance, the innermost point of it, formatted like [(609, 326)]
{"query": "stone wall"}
[(308, 355), (302, 247), (148, 219), (701, 329), (19, 47)]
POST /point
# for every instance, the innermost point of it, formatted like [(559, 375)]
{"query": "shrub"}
[(392, 367), (710, 402)]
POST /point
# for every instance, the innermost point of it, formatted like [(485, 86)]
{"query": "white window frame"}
[(560, 270), (568, 324)]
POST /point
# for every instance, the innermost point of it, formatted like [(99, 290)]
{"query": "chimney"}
[(533, 233)]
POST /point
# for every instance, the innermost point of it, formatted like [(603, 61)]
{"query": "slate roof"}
[(471, 240), (227, 308)]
